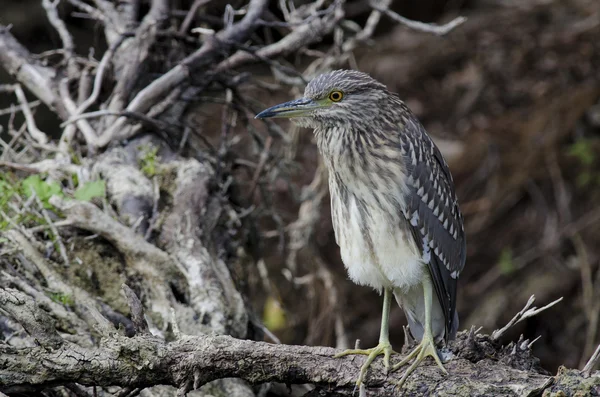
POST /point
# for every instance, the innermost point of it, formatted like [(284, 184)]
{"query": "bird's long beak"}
[(296, 108)]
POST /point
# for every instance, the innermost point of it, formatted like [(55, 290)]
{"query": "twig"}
[(63, 32), (264, 156), (589, 366), (91, 11), (106, 58), (298, 38), (369, 28), (185, 25), (436, 29), (90, 115), (34, 131), (47, 165), (86, 129), (13, 108), (525, 313), (591, 306), (40, 228)]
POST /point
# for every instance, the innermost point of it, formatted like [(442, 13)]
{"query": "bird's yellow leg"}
[(384, 347), (427, 345)]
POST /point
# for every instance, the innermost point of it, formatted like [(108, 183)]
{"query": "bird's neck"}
[(357, 155)]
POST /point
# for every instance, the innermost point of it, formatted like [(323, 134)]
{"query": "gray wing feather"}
[(436, 221)]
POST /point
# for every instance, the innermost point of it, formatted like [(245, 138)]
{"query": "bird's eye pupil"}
[(336, 96)]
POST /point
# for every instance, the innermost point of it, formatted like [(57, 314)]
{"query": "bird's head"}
[(334, 99)]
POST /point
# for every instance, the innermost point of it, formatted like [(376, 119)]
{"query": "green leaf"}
[(149, 160), (44, 190), (89, 190)]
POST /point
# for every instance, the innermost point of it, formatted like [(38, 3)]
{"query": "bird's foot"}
[(424, 349), (384, 348)]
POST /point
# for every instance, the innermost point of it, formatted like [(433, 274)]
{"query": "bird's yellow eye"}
[(336, 96)]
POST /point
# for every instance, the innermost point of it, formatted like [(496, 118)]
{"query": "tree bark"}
[(482, 367)]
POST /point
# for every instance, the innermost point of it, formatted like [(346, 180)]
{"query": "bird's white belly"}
[(376, 252)]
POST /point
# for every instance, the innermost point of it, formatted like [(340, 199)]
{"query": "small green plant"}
[(149, 160), (63, 299), (10, 187), (90, 190), (7, 190), (44, 190)]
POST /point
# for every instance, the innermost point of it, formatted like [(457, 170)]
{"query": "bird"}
[(394, 208)]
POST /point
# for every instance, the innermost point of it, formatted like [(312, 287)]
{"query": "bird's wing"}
[(433, 213)]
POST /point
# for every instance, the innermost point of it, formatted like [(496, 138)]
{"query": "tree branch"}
[(436, 29), (192, 361), (203, 57), (39, 79)]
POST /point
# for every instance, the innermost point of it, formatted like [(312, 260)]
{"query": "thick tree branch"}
[(135, 51), (192, 361), (39, 79), (480, 366)]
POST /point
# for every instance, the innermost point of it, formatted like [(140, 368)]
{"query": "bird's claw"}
[(424, 349), (384, 348)]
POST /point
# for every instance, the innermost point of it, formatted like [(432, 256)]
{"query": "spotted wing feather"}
[(436, 221)]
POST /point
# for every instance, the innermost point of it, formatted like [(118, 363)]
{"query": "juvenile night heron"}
[(393, 205)]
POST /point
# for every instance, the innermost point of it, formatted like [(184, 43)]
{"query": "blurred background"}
[(511, 97)]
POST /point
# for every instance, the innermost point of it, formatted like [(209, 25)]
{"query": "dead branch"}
[(191, 361), (592, 362), (523, 314), (439, 30), (39, 79), (63, 32), (203, 57)]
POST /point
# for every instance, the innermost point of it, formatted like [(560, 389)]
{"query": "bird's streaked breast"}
[(375, 248)]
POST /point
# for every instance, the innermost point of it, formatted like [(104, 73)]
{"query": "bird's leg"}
[(427, 345), (384, 347)]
